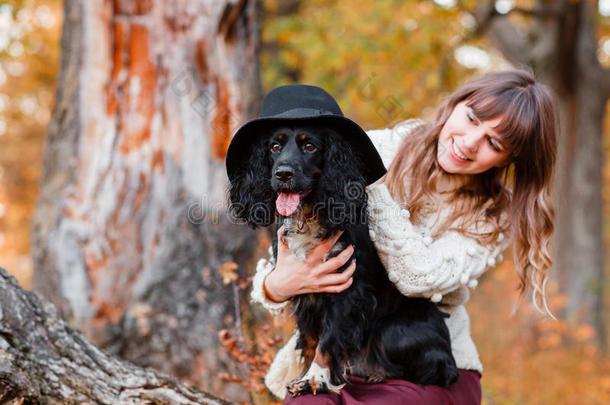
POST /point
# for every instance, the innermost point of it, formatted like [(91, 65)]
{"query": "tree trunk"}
[(131, 226), (44, 361), (582, 87), (562, 49)]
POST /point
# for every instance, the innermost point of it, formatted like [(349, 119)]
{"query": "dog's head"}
[(297, 165)]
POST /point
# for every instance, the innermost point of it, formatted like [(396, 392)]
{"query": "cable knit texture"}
[(264, 267), (441, 269)]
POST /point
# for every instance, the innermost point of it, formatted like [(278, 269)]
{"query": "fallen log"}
[(45, 361)]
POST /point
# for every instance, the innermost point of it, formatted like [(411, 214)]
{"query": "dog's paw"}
[(315, 381), (299, 386), (375, 378)]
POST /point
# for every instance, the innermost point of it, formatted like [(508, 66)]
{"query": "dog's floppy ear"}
[(250, 194), (341, 189)]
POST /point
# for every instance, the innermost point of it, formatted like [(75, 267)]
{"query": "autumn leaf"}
[(228, 271)]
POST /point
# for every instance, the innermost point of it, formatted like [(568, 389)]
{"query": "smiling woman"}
[(468, 145), (498, 122)]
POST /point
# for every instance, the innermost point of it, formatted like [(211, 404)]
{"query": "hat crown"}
[(301, 104), (284, 99)]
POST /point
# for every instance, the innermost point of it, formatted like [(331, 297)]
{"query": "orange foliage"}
[(531, 359), (29, 58), (257, 363), (228, 271)]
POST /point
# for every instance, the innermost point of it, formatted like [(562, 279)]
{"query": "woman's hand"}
[(292, 277)]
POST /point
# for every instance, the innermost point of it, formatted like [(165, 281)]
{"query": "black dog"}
[(311, 177)]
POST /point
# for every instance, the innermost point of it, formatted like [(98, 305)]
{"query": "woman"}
[(449, 179)]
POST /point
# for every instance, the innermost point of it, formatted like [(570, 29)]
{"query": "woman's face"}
[(469, 146)]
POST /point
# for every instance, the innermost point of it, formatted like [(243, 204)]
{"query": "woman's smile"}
[(456, 154)]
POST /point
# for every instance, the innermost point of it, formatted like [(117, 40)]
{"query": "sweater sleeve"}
[(387, 140), (418, 265), (263, 267)]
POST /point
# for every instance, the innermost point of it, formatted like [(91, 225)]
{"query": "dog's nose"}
[(284, 173)]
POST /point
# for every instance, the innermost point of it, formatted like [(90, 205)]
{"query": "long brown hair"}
[(523, 208)]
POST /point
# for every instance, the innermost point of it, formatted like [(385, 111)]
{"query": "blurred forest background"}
[(384, 61)]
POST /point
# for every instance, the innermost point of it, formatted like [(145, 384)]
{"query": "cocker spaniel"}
[(310, 178)]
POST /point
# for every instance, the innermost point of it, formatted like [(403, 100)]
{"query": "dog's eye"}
[(310, 147), (274, 147)]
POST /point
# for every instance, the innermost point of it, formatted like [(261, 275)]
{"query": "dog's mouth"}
[(288, 202)]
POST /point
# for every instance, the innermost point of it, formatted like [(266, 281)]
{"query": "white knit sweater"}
[(441, 269)]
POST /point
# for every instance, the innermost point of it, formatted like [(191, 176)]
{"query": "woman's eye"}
[(310, 147), (274, 147), (493, 145), (470, 117)]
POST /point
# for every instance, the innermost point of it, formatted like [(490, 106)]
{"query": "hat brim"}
[(248, 135)]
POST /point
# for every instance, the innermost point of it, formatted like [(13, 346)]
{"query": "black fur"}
[(251, 197), (371, 328)]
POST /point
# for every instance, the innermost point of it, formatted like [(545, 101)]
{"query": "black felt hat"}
[(302, 103)]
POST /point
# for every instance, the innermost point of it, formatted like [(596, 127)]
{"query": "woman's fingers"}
[(340, 281), (333, 283), (313, 276), (334, 263), (281, 242), (338, 288), (323, 248), (336, 279)]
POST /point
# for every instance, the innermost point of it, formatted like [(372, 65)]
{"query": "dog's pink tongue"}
[(287, 203)]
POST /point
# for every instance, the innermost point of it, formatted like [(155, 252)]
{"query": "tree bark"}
[(561, 47), (131, 226), (44, 361)]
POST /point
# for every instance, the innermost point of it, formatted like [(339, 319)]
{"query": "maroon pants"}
[(465, 391)]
